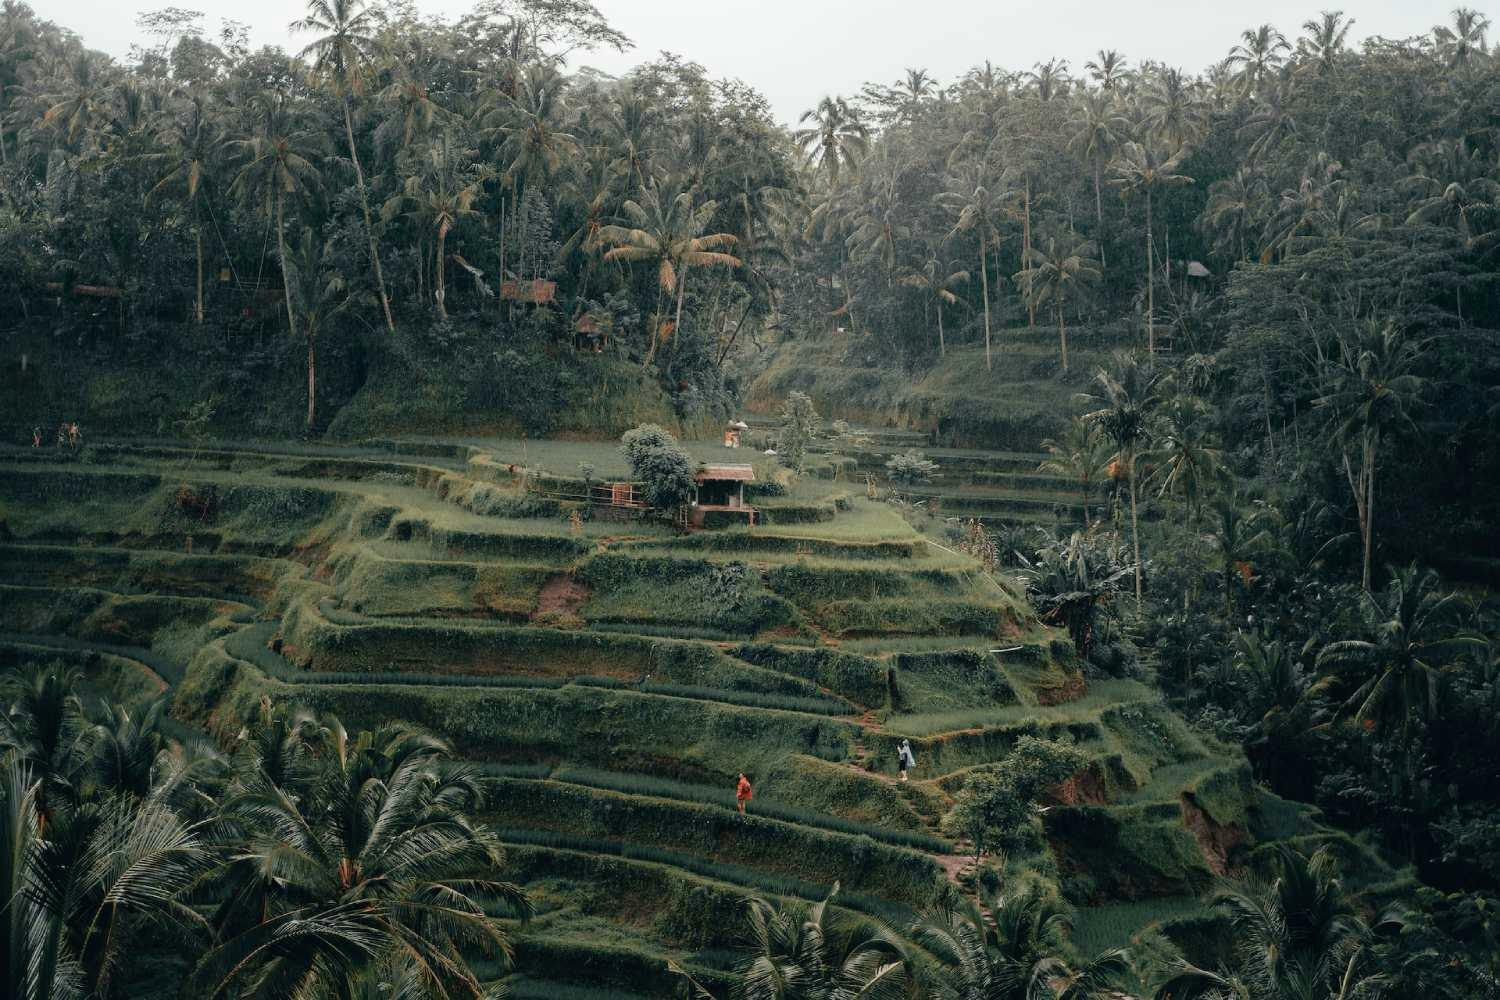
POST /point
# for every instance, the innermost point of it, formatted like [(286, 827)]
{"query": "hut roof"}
[(734, 473)]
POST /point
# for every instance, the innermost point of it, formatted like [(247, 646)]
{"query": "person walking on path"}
[(62, 434), (36, 437), (75, 436), (743, 793), (905, 758)]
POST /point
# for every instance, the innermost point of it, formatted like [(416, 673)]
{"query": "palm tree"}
[(938, 280), (879, 223), (1271, 121), (1049, 79), (82, 103), (1412, 631), (833, 137), (368, 865), (1463, 45), (1059, 274), (533, 147), (1081, 455), (667, 230), (1098, 129), (190, 148), (1174, 110), (320, 295), (1368, 390), (1185, 458), (342, 57), (1237, 536), (81, 890), (801, 952), (1296, 934), (633, 121), (1008, 953), (437, 199), (1323, 44), (1107, 69), (1141, 171), (1125, 398), (277, 162), (1260, 53), (45, 730), (977, 209), (1233, 209)]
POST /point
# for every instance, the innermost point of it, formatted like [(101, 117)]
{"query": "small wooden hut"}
[(721, 489)]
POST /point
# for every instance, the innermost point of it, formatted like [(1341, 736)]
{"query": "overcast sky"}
[(795, 51)]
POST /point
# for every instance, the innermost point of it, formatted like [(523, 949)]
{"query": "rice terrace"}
[(477, 525)]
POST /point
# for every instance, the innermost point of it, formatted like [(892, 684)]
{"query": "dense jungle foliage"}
[(1271, 286)]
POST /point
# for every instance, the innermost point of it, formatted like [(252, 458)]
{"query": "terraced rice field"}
[(613, 677)]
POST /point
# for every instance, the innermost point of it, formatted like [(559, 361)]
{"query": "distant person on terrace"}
[(743, 793), (905, 758)]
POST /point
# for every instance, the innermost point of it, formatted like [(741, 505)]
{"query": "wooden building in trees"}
[(720, 496)]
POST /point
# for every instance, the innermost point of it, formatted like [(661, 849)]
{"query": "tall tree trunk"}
[(984, 280), (681, 293), (1099, 211), (1062, 334), (942, 344), (312, 376), (286, 286), (1150, 284), (364, 204), (1370, 447), (198, 306), (500, 301), (1026, 252), (439, 285), (1135, 534)]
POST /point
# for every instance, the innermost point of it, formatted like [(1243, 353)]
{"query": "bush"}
[(799, 422), (910, 468), (664, 469)]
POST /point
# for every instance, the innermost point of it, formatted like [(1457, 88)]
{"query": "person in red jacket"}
[(743, 793)]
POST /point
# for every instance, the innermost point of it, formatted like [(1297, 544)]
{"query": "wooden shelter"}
[(538, 292), (721, 488)]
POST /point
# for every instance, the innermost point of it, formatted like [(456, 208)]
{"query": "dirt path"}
[(562, 595)]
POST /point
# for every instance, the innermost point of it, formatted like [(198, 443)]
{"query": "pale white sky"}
[(795, 51)]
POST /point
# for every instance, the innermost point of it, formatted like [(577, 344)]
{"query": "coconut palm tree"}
[(1082, 454), (1296, 934), (938, 280), (1184, 457), (1141, 171), (1174, 109), (667, 231), (1413, 632), (832, 137), (1234, 208), (1006, 953), (1463, 45), (320, 294), (1062, 273), (801, 952), (368, 868), (277, 162), (1108, 69), (1259, 55), (1271, 121), (1098, 129), (1125, 398), (190, 148), (1368, 390), (84, 889), (1322, 44), (342, 57), (533, 147), (977, 209)]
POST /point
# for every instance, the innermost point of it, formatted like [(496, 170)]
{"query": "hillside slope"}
[(612, 677)]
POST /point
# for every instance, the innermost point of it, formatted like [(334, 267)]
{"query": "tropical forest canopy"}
[(1203, 363)]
